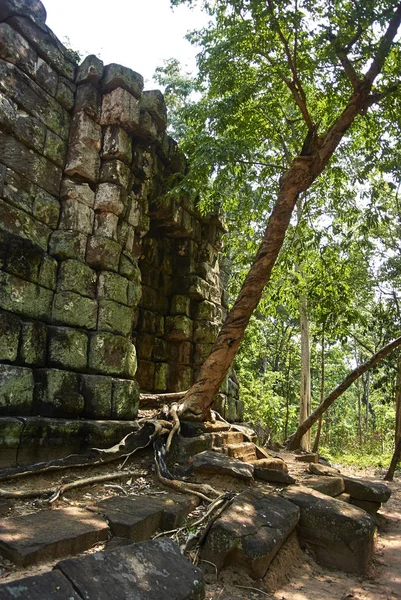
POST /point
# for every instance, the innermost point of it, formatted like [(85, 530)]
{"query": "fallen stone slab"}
[(49, 586), (344, 497), (312, 457), (330, 486), (273, 475), (143, 571), (323, 470), (367, 490), (139, 517), (250, 532), (261, 452), (244, 451), (369, 507), (50, 534), (219, 464), (341, 536), (270, 463)]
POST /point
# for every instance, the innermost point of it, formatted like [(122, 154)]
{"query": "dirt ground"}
[(293, 575)]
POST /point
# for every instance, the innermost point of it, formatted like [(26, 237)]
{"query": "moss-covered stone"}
[(180, 305), (75, 276), (179, 328), (72, 309), (146, 375), (129, 269), (103, 254), (96, 390), (55, 148), (112, 355), (125, 399), (33, 344), (114, 317), (206, 332), (24, 298), (198, 289), (202, 351), (46, 209), (57, 394), (68, 244), (115, 171), (181, 378), (48, 272), (161, 377), (160, 350), (19, 223), (16, 390), (68, 348), (112, 286), (9, 336), (206, 311), (134, 293)]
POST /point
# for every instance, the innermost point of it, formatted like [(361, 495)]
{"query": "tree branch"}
[(384, 47)]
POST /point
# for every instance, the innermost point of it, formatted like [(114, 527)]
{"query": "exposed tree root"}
[(157, 400), (176, 427)]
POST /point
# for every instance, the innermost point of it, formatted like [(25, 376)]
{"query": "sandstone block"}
[(117, 144), (310, 457), (67, 348), (181, 378), (119, 107), (106, 225), (116, 76), (83, 161), (160, 350), (16, 390), (112, 355), (47, 77), (90, 70), (116, 172), (161, 377), (65, 93), (70, 190), (205, 332), (219, 464), (366, 505), (57, 394), (206, 311), (96, 391), (367, 490), (19, 224), (180, 305), (125, 399), (147, 128), (75, 276), (114, 317), (52, 585), (75, 310), (55, 148), (32, 9), (86, 131), (88, 100), (26, 128), (197, 288), (179, 328), (48, 272), (103, 254), (10, 327), (273, 476), (68, 244), (76, 216), (33, 344), (146, 375), (153, 102), (129, 269), (330, 486), (181, 352), (134, 292), (109, 199), (112, 286), (22, 297)]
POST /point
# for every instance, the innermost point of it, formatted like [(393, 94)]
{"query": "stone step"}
[(193, 428), (275, 463), (50, 534), (184, 448), (311, 457), (250, 532), (330, 486), (367, 490), (244, 451), (214, 463)]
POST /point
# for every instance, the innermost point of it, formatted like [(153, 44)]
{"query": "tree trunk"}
[(397, 450), (319, 424), (293, 442), (394, 462), (304, 401), (297, 179)]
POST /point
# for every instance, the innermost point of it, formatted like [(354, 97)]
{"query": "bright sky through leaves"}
[(138, 34)]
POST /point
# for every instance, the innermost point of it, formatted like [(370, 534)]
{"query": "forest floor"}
[(293, 575)]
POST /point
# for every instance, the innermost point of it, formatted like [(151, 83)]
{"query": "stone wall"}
[(108, 283)]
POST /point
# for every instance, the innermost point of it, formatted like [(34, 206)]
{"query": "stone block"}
[(146, 375), (197, 288), (116, 76), (56, 533), (96, 390), (88, 99), (181, 378), (25, 298), (180, 305), (145, 345), (202, 351), (152, 101), (65, 93), (178, 328), (48, 272), (218, 464), (68, 244), (75, 276), (112, 286), (47, 78), (367, 490), (32, 9), (310, 457), (70, 190), (205, 332), (16, 390), (206, 311), (340, 536), (46, 209), (103, 254), (52, 586), (76, 216), (86, 131), (273, 476), (160, 352), (119, 107), (18, 223), (250, 532), (147, 129), (33, 345), (106, 225), (67, 348), (55, 148), (129, 269), (10, 327), (116, 172), (90, 70), (117, 144), (181, 352), (152, 570), (330, 486), (112, 355), (161, 377), (134, 292), (26, 128), (57, 394), (83, 162), (114, 317), (75, 310), (109, 198), (366, 505), (125, 399)]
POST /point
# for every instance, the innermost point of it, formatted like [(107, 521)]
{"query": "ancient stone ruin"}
[(109, 283)]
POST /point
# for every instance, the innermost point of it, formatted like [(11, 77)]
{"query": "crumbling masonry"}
[(108, 283)]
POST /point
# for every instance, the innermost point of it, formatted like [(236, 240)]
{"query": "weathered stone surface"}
[(74, 191), (270, 463), (112, 286), (179, 328), (340, 535), (116, 76), (144, 571), (116, 172), (119, 107), (366, 505), (47, 535), (32, 350), (88, 99), (180, 305), (55, 148), (83, 161), (96, 391), (109, 199), (103, 254), (117, 144), (57, 394), (90, 70), (32, 9), (308, 458), (250, 532), (5, 505), (76, 216), (65, 93), (147, 128), (17, 223), (153, 102), (114, 317), (194, 428), (75, 310), (68, 348), (10, 435), (162, 371), (47, 78), (22, 297), (243, 451), (9, 336), (330, 486), (67, 244), (16, 390), (26, 128), (125, 399), (112, 355), (367, 490), (318, 469), (218, 464), (52, 586), (272, 475), (75, 276)]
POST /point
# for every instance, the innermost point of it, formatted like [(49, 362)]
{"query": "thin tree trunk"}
[(293, 442), (394, 462), (366, 394), (287, 399), (397, 450), (297, 179), (358, 387), (319, 424), (304, 401)]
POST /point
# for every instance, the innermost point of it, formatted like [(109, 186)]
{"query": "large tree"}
[(286, 86)]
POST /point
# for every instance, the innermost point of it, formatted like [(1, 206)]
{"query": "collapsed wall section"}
[(108, 283)]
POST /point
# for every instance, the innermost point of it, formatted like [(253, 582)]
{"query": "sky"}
[(139, 34)]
